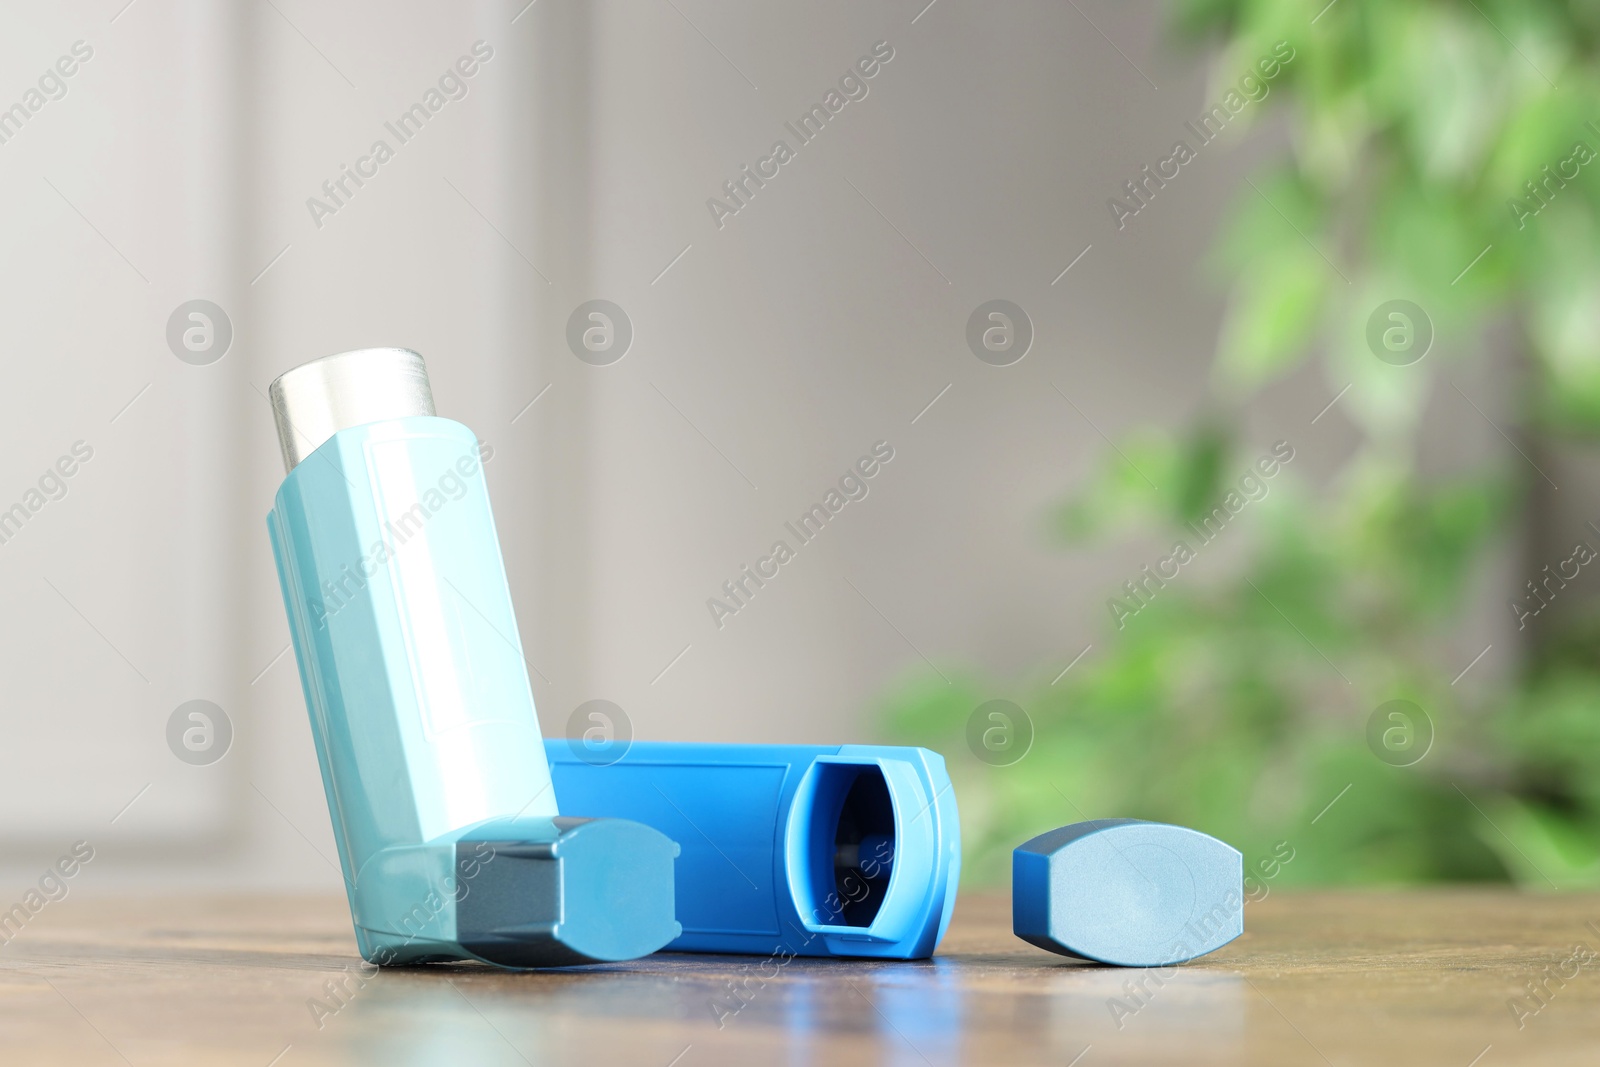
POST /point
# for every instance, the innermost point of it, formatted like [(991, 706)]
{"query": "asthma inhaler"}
[(841, 850), (431, 756)]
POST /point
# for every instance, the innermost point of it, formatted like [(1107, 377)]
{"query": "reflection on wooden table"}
[(1420, 977)]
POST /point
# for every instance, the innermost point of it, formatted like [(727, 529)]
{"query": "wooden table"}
[(1412, 978)]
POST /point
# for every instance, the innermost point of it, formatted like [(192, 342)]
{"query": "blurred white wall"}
[(768, 354)]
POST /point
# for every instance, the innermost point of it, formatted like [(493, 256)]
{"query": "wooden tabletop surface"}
[(1439, 977)]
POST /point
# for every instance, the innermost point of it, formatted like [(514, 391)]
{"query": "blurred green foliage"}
[(1241, 706)]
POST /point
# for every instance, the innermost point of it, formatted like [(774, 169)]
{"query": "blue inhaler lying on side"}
[(836, 850), (431, 756)]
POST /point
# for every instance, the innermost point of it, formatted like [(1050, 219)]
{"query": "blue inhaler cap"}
[(598, 891), (1127, 892)]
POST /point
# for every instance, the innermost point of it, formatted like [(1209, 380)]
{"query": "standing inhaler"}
[(431, 756), (810, 850)]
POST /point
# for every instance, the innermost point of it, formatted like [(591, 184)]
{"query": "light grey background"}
[(768, 355)]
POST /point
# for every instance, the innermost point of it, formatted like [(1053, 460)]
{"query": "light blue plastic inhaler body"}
[(421, 709)]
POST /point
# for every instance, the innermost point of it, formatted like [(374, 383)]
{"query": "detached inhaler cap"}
[(316, 400), (1127, 892)]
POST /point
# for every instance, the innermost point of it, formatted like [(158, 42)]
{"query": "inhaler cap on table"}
[(1123, 891)]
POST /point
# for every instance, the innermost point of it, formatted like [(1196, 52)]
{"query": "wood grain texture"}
[(1347, 978)]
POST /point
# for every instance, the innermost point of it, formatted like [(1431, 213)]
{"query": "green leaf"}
[(1273, 315)]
